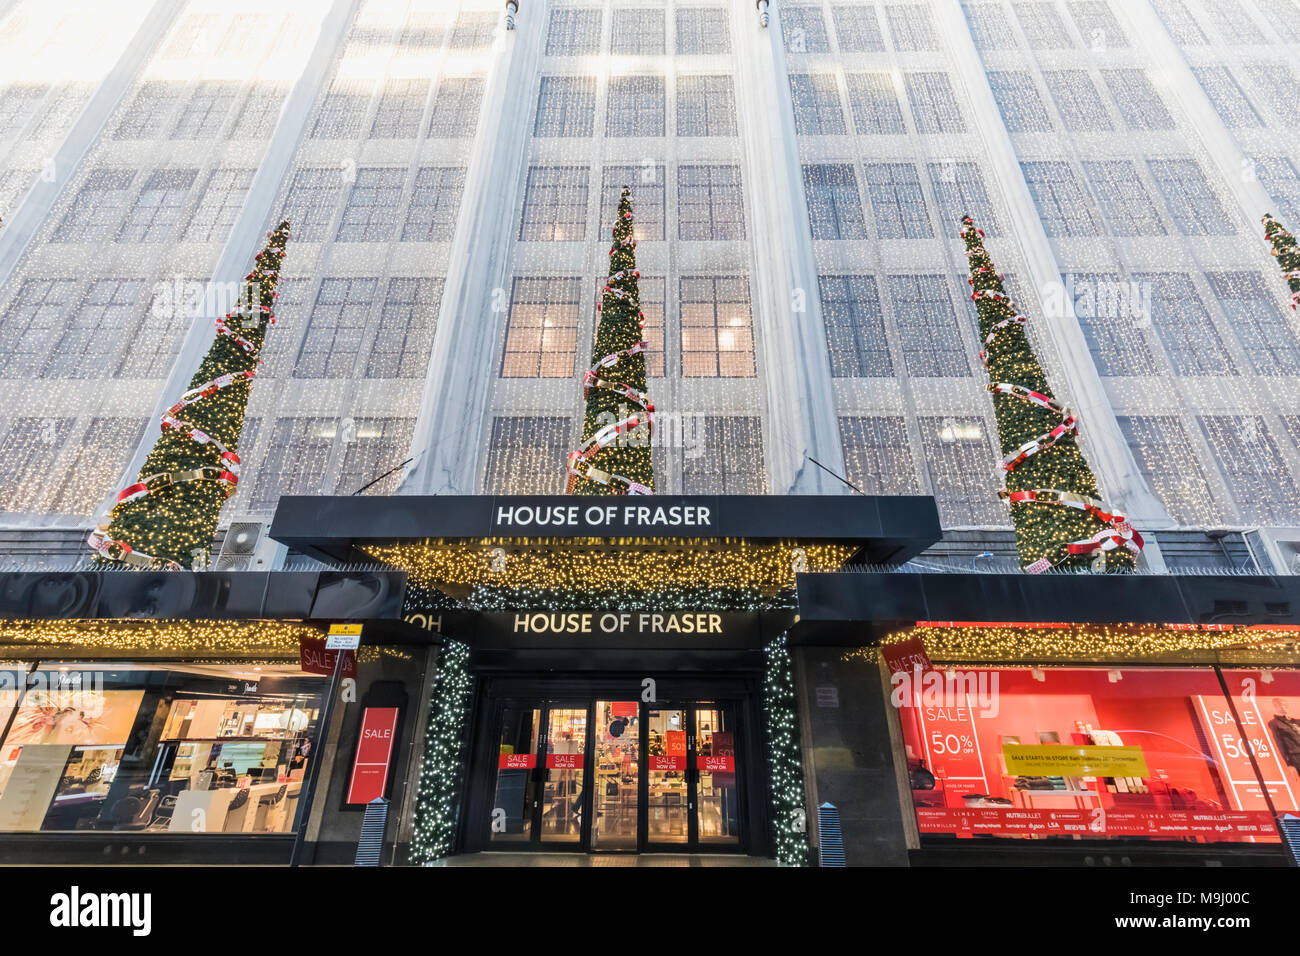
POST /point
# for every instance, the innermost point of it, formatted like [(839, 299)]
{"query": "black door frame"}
[(741, 688)]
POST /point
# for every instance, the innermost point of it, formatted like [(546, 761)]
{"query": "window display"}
[(1096, 753), (175, 748)]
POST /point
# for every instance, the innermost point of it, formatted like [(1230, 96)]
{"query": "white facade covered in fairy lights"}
[(798, 185)]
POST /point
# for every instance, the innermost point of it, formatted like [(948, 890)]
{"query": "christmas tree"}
[(1287, 253), (168, 518), (1052, 492), (615, 455)]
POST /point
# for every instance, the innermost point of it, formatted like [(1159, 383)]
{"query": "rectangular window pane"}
[(647, 185), (336, 328), (635, 106), (373, 207), (222, 199), (1258, 480), (400, 110), (706, 106), (1018, 101), (961, 192), (874, 102), (1063, 206), (573, 32), (431, 214), (1138, 101), (733, 464), (98, 208), (456, 108), (857, 29), (910, 27), (1043, 26), (528, 456), (1097, 24), (344, 110), (296, 461), (927, 325), (1225, 94), (32, 323), (834, 206), (855, 327), (1077, 100), (401, 346), (897, 203), (878, 455), (108, 313), (309, 207), (1259, 323), (933, 104), (372, 447), (555, 203), (206, 111), (804, 30), (1193, 204), (709, 203), (566, 106), (1124, 200), (158, 208), (717, 328), (1108, 311), (637, 32), (702, 32), (1184, 325), (542, 329), (961, 465), (816, 101), (1171, 467)]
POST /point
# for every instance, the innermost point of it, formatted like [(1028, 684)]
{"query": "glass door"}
[(617, 767), (717, 796), (565, 747), (515, 800), (667, 788)]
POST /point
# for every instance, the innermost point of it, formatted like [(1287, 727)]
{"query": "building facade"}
[(799, 170)]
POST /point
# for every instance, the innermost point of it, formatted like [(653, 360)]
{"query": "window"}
[(573, 32), (456, 108), (651, 289), (206, 111), (542, 329), (1108, 311), (31, 324), (1278, 176), (1258, 321), (816, 101), (709, 203), (874, 102), (706, 106), (1180, 23), (804, 30), (260, 112), (343, 111), (960, 190), (647, 185), (152, 105), (296, 460), (372, 448), (1281, 92), (1097, 24), (555, 203), (733, 462), (702, 32), (1232, 24), (1062, 205), (933, 104), (637, 32), (17, 107), (431, 215), (106, 317), (857, 29), (855, 328), (96, 464), (335, 328), (400, 110), (635, 106), (910, 27), (961, 463), (374, 206), (1043, 26), (310, 204), (1284, 15), (1192, 202), (401, 348), (27, 456), (1226, 95), (528, 456), (1184, 325), (897, 203), (1171, 467), (1077, 99), (1018, 101), (1137, 99), (421, 35), (834, 206), (566, 106), (98, 208), (989, 27), (223, 198), (157, 209), (932, 345), (1259, 482), (1124, 200), (171, 308), (717, 329), (472, 31), (878, 455)]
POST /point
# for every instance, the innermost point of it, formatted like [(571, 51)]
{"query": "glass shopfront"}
[(1086, 753), (609, 775), (157, 748)]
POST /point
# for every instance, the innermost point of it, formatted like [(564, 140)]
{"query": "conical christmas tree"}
[(1287, 253), (168, 518), (1052, 492), (615, 455)]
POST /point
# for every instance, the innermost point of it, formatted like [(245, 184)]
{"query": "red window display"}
[(1096, 753)]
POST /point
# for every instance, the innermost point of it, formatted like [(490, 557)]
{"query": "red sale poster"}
[(952, 745), (1231, 754), (517, 761)]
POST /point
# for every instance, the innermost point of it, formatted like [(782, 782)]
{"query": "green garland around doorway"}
[(789, 820), (443, 772)]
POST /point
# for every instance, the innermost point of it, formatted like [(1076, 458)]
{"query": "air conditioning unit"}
[(246, 549), (1279, 547)]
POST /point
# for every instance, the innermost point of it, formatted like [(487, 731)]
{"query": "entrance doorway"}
[(618, 776)]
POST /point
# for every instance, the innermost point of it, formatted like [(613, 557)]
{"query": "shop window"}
[(1090, 753), (159, 749)]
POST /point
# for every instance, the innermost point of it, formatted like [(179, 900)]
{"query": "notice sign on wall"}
[(1060, 760), (374, 754)]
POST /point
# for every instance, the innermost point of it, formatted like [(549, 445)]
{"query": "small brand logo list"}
[(75, 909)]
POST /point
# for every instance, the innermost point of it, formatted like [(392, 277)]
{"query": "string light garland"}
[(443, 771), (1052, 492), (168, 518), (1287, 254), (611, 432), (274, 639), (780, 710)]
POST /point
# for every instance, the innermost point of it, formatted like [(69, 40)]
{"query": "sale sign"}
[(1095, 822), (1233, 753), (1061, 760), (315, 658), (623, 708), (902, 656), (674, 755), (517, 761), (564, 761), (716, 764), (374, 754)]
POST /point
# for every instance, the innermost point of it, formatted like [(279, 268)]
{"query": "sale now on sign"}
[(564, 761), (716, 764), (374, 754), (517, 762)]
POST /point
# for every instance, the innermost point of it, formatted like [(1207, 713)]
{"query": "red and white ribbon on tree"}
[(580, 464)]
